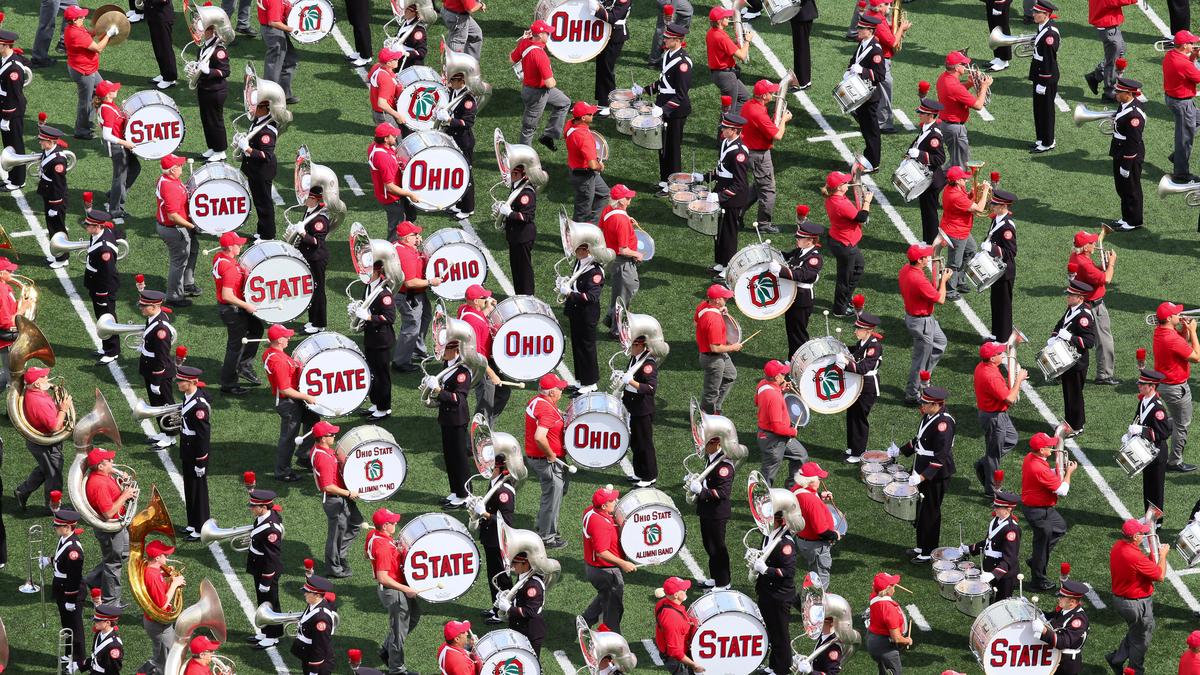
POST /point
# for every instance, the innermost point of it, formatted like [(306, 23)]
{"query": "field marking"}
[(903, 119), (969, 313), (652, 650), (985, 115), (568, 668), (918, 618), (1154, 18), (348, 50), (1189, 571), (832, 137), (352, 183), (26, 233), (275, 196), (118, 376), (1062, 105)]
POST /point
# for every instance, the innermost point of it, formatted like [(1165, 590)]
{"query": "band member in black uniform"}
[(1065, 629), (52, 187), (1153, 423), (414, 39), (358, 13), (830, 659), (1002, 545), (582, 306), (997, 17), (868, 63), (930, 149), (801, 25), (264, 561), (108, 650), (713, 508), (160, 20), (315, 630), (311, 244), (803, 267), (260, 166), (498, 508), (640, 382), (379, 336), (100, 276), (67, 587), (1128, 152), (733, 188), (1001, 242), (452, 388), (525, 610), (671, 94), (1078, 327), (932, 469), (614, 13), (156, 362), (776, 591), (1043, 73), (194, 447), (864, 360), (458, 120), (211, 91), (519, 212), (12, 105)]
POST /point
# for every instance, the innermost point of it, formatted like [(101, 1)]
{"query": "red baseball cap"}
[(718, 291), (383, 516), (957, 58), (551, 381), (814, 470), (455, 628), (989, 349), (620, 191), (956, 173), (918, 251), (674, 584), (883, 580), (475, 292), (385, 129), (279, 330), (1165, 311), (775, 367), (1133, 526), (201, 644), (765, 87), (1042, 440), (582, 108), (34, 373), (386, 55), (98, 455), (230, 239), (836, 179), (407, 227), (539, 26), (718, 13), (156, 548), (7, 265), (107, 87), (1084, 238), (605, 495), (171, 161), (1183, 37), (1193, 639), (323, 428), (74, 12)]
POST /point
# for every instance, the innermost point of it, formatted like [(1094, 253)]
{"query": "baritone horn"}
[(1082, 115), (1022, 45), (1168, 187), (9, 160), (107, 326), (237, 537), (60, 245), (170, 417)]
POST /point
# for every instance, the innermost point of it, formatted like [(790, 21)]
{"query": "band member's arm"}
[(807, 271), (275, 17), (464, 115), (317, 234), (649, 385), (683, 84), (1084, 335), (943, 449), (265, 151), (868, 362), (524, 207), (787, 561), (529, 604), (385, 579), (231, 298), (218, 66), (542, 438), (625, 565), (1008, 565), (720, 485), (1070, 636), (973, 101), (420, 44), (1158, 427), (1190, 333)]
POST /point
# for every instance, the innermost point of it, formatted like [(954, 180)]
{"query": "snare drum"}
[(984, 269), (880, 456), (900, 500), (219, 198), (645, 244), (648, 131), (310, 20), (454, 256), (826, 388), (154, 124), (652, 529), (852, 92), (672, 188), (278, 280), (779, 11), (1136, 453), (946, 581), (730, 636), (375, 467), (1188, 543), (421, 93), (1001, 635), (434, 168), (704, 216), (972, 596), (867, 468), (942, 566), (759, 293), (620, 98), (527, 342), (507, 651), (1057, 358), (596, 431), (798, 413), (438, 549), (624, 118), (680, 178), (334, 370), (966, 567), (912, 178), (680, 201), (948, 553), (877, 484)]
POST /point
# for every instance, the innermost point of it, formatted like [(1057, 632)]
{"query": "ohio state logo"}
[(373, 470), (831, 382), (652, 534), (423, 103), (764, 289), (310, 18), (512, 666)]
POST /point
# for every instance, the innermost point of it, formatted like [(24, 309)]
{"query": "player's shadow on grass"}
[(328, 121)]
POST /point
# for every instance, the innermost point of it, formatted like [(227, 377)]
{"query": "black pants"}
[(1043, 110), (73, 619), (606, 64), (358, 13), (641, 444), (1002, 294), (1003, 586), (928, 201), (260, 177), (850, 266), (1000, 21), (164, 382), (1072, 389), (775, 614), (238, 324), (583, 345), (160, 28), (712, 535), (929, 514), (212, 117), (801, 54), (1048, 527), (294, 419), (195, 488), (669, 157), (317, 314), (858, 423), (1129, 190), (3, 530), (867, 116), (107, 304), (15, 138), (467, 203), (726, 243), (455, 448), (269, 596), (520, 263), (1180, 15), (56, 223), (1154, 478), (379, 364), (495, 568), (796, 324)]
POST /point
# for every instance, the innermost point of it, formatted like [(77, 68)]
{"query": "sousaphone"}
[(207, 613), (307, 174), (153, 519), (98, 422), (462, 63), (487, 444), (599, 646), (31, 344)]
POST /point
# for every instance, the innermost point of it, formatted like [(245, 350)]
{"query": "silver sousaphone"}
[(509, 156), (255, 89), (308, 173), (631, 326), (462, 63), (574, 235), (199, 19)]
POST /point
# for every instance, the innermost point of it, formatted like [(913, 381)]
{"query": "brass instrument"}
[(107, 326), (1168, 187), (206, 613), (739, 29), (60, 245), (28, 295), (704, 427), (200, 18), (265, 616), (781, 98), (1082, 115), (66, 647), (765, 502), (105, 16), (515, 541), (255, 90), (1060, 450), (508, 157), (1164, 45), (445, 329), (898, 17), (1153, 515), (98, 421), (238, 538), (34, 537), (1022, 45), (461, 63), (153, 519), (9, 159), (170, 417), (859, 165), (307, 174), (600, 646), (818, 605), (31, 343), (975, 78), (1152, 319), (364, 251), (1010, 355), (978, 189), (221, 665), (1104, 230)]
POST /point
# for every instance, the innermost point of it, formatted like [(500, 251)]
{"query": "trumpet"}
[(1082, 115), (1193, 314), (1022, 45), (170, 417)]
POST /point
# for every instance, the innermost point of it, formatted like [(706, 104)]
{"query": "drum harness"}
[(664, 86), (635, 362), (47, 157), (799, 284), (727, 146), (993, 531), (108, 147), (920, 447), (309, 215), (191, 402), (888, 598), (159, 321), (517, 187), (606, 217)]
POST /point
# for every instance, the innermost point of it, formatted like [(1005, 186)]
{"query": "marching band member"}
[(775, 591), (160, 20), (525, 611), (1189, 660), (801, 25), (315, 629), (867, 63), (887, 625), (242, 16), (615, 14), (713, 508), (803, 267), (759, 135), (1065, 629), (776, 435), (341, 508), (12, 106), (921, 296), (640, 385), (1043, 73), (829, 661), (412, 299), (997, 17), (177, 231), (1001, 242), (100, 276), (52, 185), (459, 120), (67, 587), (864, 360), (280, 59), (196, 430), (156, 363), (9, 308), (496, 512), (379, 337), (358, 13), (539, 88), (846, 220), (109, 501), (993, 398), (491, 397), (398, 598), (605, 560), (672, 94), (160, 588), (414, 37), (463, 33), (585, 164), (1087, 271), (520, 229), (311, 245), (958, 101), (1076, 327), (125, 165), (396, 201), (457, 654), (203, 650), (1041, 487), (83, 65), (670, 11), (237, 315), (1133, 577), (932, 469), (959, 208), (815, 541), (259, 163), (212, 88), (1106, 16), (46, 416), (618, 228), (888, 40), (1128, 153), (1176, 348), (108, 650), (283, 374), (1152, 423), (674, 627), (1180, 78), (733, 188), (723, 56), (450, 388), (714, 346), (382, 88), (929, 149), (582, 307), (1001, 547), (264, 560)]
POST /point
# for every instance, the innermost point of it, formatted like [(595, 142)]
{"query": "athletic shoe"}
[(549, 143), (166, 85), (310, 329), (747, 15), (359, 63), (156, 79), (1038, 148), (853, 459), (105, 360), (134, 16), (709, 583), (603, 112), (208, 153), (266, 644), (59, 264), (380, 414), (647, 483), (216, 157)]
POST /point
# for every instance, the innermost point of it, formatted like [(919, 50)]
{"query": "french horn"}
[(153, 519), (364, 251), (206, 613), (31, 344)]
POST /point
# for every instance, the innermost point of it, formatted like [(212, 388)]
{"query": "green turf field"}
[(1060, 192)]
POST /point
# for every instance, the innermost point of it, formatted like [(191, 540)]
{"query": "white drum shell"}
[(1007, 622), (972, 596), (1136, 454), (439, 548), (456, 258), (759, 293), (278, 279), (876, 483), (434, 168), (503, 646), (731, 636), (1188, 543), (596, 434), (653, 531), (527, 340), (155, 125), (648, 131), (681, 202), (219, 199), (375, 465), (704, 217), (334, 370), (780, 11), (911, 178)]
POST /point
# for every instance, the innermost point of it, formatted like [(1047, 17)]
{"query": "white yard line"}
[(1189, 571), (118, 376), (985, 115), (1062, 105), (276, 197), (652, 650), (832, 136), (568, 668), (348, 50), (903, 119), (352, 183), (26, 233), (917, 617), (1155, 18)]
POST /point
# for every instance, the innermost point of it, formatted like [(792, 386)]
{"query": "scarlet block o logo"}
[(423, 103), (831, 382), (764, 289), (310, 18), (512, 666), (374, 470), (652, 534)]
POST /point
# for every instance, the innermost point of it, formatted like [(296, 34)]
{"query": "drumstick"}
[(248, 340), (751, 337), (513, 385), (904, 589), (439, 585)]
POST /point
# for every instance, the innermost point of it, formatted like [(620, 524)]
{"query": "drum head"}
[(576, 35), (460, 265), (310, 19), (336, 374), (155, 125), (825, 387), (421, 96), (507, 652), (653, 532), (597, 431), (439, 555), (375, 468), (729, 639), (437, 172), (645, 245), (797, 411), (280, 283), (528, 346), (219, 200), (759, 293)]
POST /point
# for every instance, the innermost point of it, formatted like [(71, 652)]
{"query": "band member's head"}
[(956, 62), (1126, 89), (172, 166), (499, 465), (376, 270), (933, 399), (880, 7), (105, 618), (478, 296), (1070, 594), (551, 386), (776, 371), (1001, 201), (808, 233), (809, 475), (1085, 242), (540, 30), (37, 378), (231, 243), (718, 17), (410, 11), (96, 221), (919, 254), (315, 588), (605, 498), (713, 446), (187, 379), (458, 81), (958, 175), (385, 520), (100, 461), (386, 134), (48, 137), (1148, 381), (64, 522), (1184, 41), (927, 110), (203, 648), (1193, 641), (1042, 443), (150, 302), (676, 589), (992, 352), (7, 40), (1043, 11), (262, 108), (837, 183), (157, 552), (518, 173), (75, 14), (582, 251), (408, 233), (583, 112), (520, 563), (457, 633), (324, 434), (1168, 313), (764, 90), (1077, 292), (621, 196), (315, 198), (107, 90), (638, 345), (451, 351), (673, 36), (1003, 504), (278, 335), (885, 584), (864, 325), (261, 502), (7, 267), (718, 294), (389, 59), (865, 30), (731, 125)]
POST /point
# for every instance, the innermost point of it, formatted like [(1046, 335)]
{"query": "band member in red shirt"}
[(618, 228), (83, 65), (1176, 348), (1133, 577), (776, 435), (1089, 272), (1189, 660), (723, 56), (9, 308), (1180, 78), (846, 220), (993, 397), (47, 417), (457, 654), (539, 89), (203, 650), (604, 559), (398, 598), (463, 33), (341, 507), (281, 59), (412, 299), (1106, 16), (815, 541), (585, 163), (887, 626), (889, 41), (957, 103), (177, 231), (160, 585), (1041, 486), (920, 296), (125, 164), (674, 627), (109, 501), (382, 88), (237, 315), (759, 134), (397, 202), (715, 349), (544, 452), (292, 404), (959, 208), (490, 396)]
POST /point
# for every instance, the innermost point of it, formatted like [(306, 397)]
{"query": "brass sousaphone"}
[(31, 344), (206, 613), (153, 519), (307, 174)]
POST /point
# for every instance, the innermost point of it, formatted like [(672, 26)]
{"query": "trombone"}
[(1104, 230), (1153, 515), (34, 538)]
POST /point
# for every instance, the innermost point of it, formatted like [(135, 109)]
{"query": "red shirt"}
[(673, 628), (955, 97), (1133, 572), (885, 615), (710, 327), (991, 388), (269, 10), (1090, 273), (817, 518), (457, 661), (326, 469), (1039, 481), (228, 273), (759, 130), (883, 33), (1179, 75), (156, 583), (194, 667), (599, 534), (114, 118), (283, 372), (772, 411), (479, 323), (41, 411), (385, 170), (1107, 13), (917, 290), (171, 197), (460, 6), (1171, 352), (412, 261), (80, 57), (617, 229), (102, 493), (384, 555), (843, 224), (541, 413), (535, 63), (8, 311), (1189, 663), (721, 49), (381, 84), (581, 145), (957, 218)]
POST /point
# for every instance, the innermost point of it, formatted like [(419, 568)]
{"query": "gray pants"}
[(719, 376), (622, 273), (124, 164), (403, 615), (279, 63), (764, 182), (47, 469), (609, 604), (929, 342), (1178, 399), (885, 101), (162, 636), (1184, 112), (683, 16), (243, 12), (535, 101), (554, 484), (818, 555), (462, 33), (1114, 46), (342, 521), (114, 552), (958, 150), (1105, 354), (999, 438), (85, 87), (591, 194), (181, 260), (957, 259), (490, 399), (886, 654), (47, 15), (774, 449), (729, 85), (383, 118), (415, 316), (1139, 616)]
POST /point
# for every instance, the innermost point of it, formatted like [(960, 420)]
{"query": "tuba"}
[(631, 326), (60, 245), (170, 417), (508, 156), (704, 427), (31, 343), (461, 63), (154, 518), (1022, 44), (199, 19), (364, 251), (255, 89), (598, 647), (307, 174), (107, 326), (512, 542), (765, 502), (99, 421), (206, 613), (819, 605), (486, 444), (9, 160)]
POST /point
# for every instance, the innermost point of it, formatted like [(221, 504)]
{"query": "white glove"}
[(43, 562), (1135, 429), (775, 267), (480, 508), (5, 125), (964, 548), (200, 471), (155, 389), (52, 213), (893, 452), (70, 606), (856, 69), (1063, 334), (503, 604), (564, 288), (986, 247), (205, 68), (626, 378), (429, 382), (363, 313), (698, 177), (442, 115), (841, 360), (1040, 89), (112, 31), (1124, 172), (638, 89), (505, 210), (913, 152), (760, 566), (914, 479), (695, 487), (1038, 626), (803, 666), (244, 144)]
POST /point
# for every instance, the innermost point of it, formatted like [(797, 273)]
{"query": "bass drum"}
[(1001, 635), (334, 370), (310, 20), (278, 280), (421, 94), (596, 434), (825, 387), (730, 635), (576, 35), (454, 255), (505, 652), (527, 341), (759, 293), (652, 529), (434, 168), (438, 550), (375, 466), (155, 125), (219, 199)]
